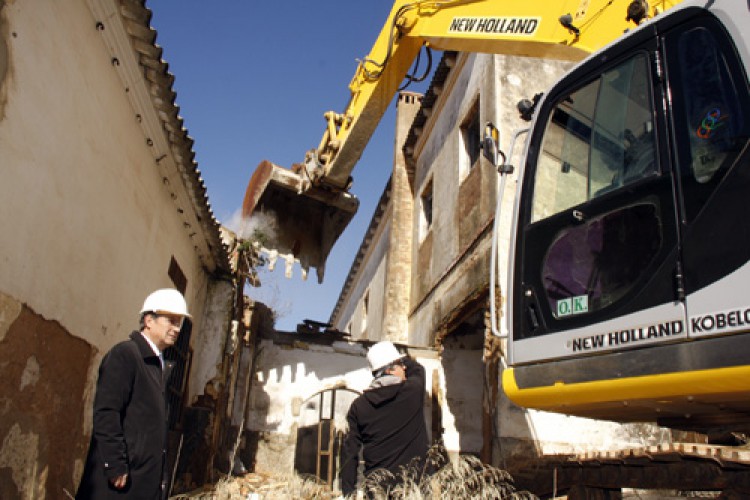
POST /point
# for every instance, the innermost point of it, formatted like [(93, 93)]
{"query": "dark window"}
[(427, 207), (177, 276), (179, 353), (714, 122), (470, 135), (710, 109), (590, 266)]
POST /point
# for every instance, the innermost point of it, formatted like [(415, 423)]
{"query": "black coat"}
[(388, 422), (130, 425)]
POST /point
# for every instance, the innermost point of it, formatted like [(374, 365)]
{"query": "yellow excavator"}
[(629, 290), (311, 204), (629, 287)]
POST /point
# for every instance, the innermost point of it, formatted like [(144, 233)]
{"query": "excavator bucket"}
[(291, 223)]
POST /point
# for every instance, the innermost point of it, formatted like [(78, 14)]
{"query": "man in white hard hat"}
[(387, 420), (127, 455)]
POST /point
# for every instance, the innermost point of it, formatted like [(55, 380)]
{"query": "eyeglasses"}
[(174, 320)]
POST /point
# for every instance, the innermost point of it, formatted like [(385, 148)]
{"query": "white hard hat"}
[(382, 354), (166, 300)]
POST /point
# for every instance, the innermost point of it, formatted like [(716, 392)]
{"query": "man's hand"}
[(119, 482)]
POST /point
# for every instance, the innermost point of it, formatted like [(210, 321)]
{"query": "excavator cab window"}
[(591, 265), (598, 138), (710, 109)]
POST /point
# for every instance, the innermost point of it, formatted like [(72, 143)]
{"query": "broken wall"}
[(40, 421), (284, 404), (209, 342), (288, 373)]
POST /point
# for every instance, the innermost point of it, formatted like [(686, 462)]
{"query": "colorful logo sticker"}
[(710, 122)]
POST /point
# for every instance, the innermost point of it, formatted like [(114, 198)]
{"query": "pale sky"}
[(253, 79)]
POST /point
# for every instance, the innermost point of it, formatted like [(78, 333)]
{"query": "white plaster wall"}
[(284, 374), (89, 228), (209, 339), (286, 377), (371, 280)]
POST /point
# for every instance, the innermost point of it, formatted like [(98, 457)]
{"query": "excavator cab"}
[(629, 284), (294, 220)]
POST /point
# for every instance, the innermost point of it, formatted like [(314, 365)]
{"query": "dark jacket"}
[(130, 425), (388, 422)]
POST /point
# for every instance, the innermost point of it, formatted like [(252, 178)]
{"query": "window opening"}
[(320, 433), (177, 276), (592, 265), (179, 354), (365, 309), (425, 222), (470, 140), (715, 127)]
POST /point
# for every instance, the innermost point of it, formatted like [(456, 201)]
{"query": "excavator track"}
[(682, 467)]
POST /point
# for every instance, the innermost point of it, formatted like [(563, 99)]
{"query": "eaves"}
[(126, 31)]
